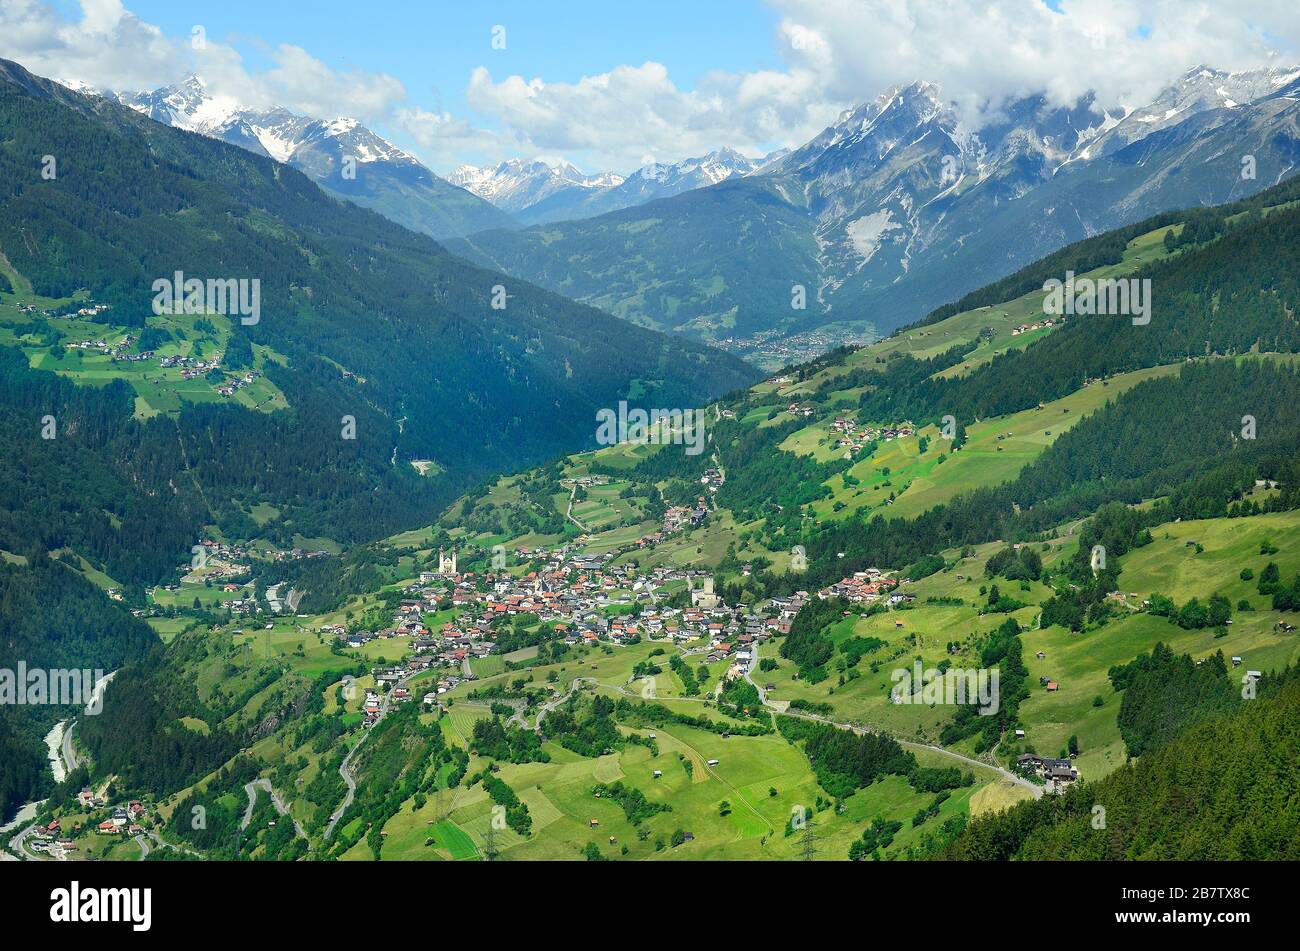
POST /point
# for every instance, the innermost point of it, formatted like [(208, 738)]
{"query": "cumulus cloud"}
[(833, 55), (446, 141), (982, 52), (631, 113), (108, 47), (839, 53), (111, 48)]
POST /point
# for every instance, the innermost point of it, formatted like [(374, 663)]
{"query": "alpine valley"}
[(372, 588), (899, 208)]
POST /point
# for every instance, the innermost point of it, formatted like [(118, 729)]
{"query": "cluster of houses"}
[(852, 438), (735, 639), (770, 348), (220, 560), (58, 841), (588, 601), (712, 479), (90, 310), (236, 383), (868, 587), (190, 367), (1037, 325), (677, 518), (123, 820), (295, 554), (117, 350), (223, 562), (51, 839)]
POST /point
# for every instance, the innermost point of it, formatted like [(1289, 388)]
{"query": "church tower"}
[(446, 562)]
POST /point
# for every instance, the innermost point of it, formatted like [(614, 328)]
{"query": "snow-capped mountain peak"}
[(516, 184), (339, 153), (276, 132)]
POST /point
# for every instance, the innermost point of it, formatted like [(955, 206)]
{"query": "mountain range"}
[(339, 154), (944, 492), (516, 185), (537, 193), (352, 161), (902, 205), (458, 365)]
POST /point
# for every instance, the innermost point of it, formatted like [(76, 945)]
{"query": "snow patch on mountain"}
[(865, 233)]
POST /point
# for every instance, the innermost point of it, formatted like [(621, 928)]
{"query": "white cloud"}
[(108, 47), (111, 48), (445, 141), (839, 53), (834, 54), (620, 117), (984, 51), (303, 83)]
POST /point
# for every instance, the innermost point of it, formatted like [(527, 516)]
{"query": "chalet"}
[(1030, 762), (1061, 775)]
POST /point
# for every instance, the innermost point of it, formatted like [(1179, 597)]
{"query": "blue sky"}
[(432, 46), (607, 84)]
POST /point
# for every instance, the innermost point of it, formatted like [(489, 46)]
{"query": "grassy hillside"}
[(135, 200), (1220, 792), (1097, 434)]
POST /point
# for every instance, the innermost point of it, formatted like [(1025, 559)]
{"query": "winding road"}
[(345, 766), (346, 773), (861, 731), (250, 790)]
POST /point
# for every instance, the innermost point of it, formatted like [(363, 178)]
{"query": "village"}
[(852, 438), (586, 600), (60, 837), (191, 368)]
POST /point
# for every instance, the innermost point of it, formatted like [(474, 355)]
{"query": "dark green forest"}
[(1222, 790)]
